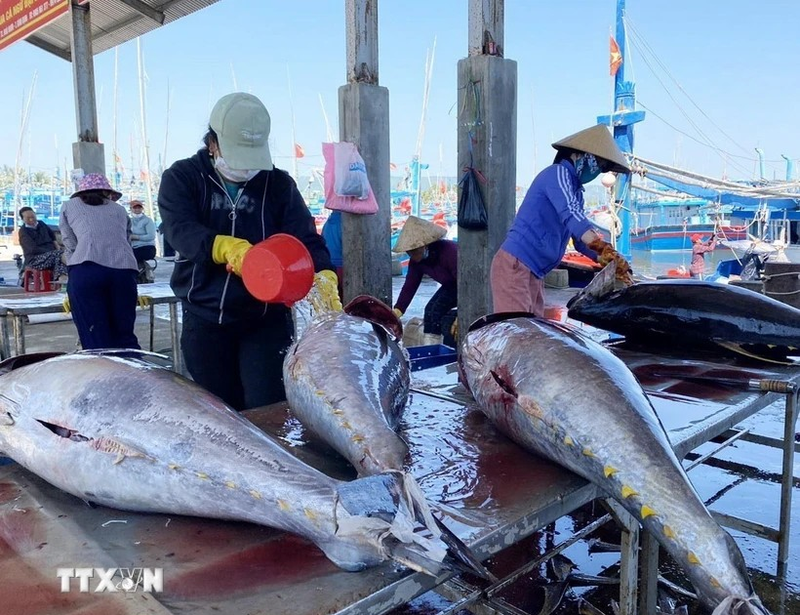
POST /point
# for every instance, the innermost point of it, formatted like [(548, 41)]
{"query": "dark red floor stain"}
[(277, 562)]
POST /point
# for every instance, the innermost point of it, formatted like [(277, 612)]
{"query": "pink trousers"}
[(514, 287)]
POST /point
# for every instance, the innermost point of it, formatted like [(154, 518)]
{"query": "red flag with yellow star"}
[(616, 57)]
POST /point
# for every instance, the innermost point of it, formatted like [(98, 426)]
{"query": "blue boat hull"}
[(677, 237)]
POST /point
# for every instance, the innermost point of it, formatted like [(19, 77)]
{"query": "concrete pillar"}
[(87, 153), (486, 27), (487, 117), (364, 120)]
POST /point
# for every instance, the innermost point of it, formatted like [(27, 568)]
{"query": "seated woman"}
[(39, 245), (143, 233)]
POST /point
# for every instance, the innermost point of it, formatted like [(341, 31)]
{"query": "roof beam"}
[(146, 10), (64, 54)]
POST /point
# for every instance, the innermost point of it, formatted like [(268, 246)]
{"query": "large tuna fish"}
[(112, 429), (690, 312), (347, 380), (569, 399)]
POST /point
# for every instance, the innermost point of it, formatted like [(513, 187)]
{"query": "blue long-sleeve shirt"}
[(332, 234), (145, 230), (551, 213)]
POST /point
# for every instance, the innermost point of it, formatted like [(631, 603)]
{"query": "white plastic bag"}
[(351, 172), (333, 201)]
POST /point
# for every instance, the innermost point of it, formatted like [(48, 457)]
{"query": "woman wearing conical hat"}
[(435, 257), (550, 215)]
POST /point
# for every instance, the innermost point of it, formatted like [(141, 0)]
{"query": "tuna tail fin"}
[(736, 605), (463, 554)]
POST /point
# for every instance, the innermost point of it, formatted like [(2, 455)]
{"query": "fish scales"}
[(569, 399), (681, 312), (347, 381), (119, 432)]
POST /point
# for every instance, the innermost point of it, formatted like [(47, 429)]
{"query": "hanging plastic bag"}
[(351, 172), (471, 207), (334, 201)]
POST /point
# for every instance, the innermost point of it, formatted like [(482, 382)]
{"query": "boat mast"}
[(117, 178), (26, 113), (328, 132), (294, 138), (166, 129), (622, 119), (145, 144), (416, 166)]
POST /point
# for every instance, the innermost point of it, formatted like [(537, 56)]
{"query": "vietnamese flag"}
[(616, 57), (299, 152)]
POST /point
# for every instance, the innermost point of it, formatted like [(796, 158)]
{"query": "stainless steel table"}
[(18, 307), (489, 491)]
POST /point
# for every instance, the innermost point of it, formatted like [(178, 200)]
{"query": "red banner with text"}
[(21, 18)]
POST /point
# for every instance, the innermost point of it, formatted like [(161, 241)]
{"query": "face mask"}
[(138, 215), (587, 168), (234, 175)]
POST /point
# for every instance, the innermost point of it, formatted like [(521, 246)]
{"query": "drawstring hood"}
[(196, 207)]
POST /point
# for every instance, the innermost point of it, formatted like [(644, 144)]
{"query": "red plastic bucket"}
[(278, 270)]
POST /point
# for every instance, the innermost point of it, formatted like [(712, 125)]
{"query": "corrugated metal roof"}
[(114, 22)]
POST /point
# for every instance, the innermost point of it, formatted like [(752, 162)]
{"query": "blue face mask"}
[(587, 168)]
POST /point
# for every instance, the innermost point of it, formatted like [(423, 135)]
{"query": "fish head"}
[(603, 284), (471, 359), (386, 517), (484, 337), (376, 521)]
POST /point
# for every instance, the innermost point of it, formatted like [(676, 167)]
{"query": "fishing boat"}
[(668, 222)]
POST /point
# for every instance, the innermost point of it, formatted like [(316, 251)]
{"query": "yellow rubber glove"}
[(144, 301), (397, 312), (454, 329), (65, 304), (324, 295), (230, 251)]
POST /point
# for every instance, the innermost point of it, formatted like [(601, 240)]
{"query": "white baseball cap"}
[(242, 124)]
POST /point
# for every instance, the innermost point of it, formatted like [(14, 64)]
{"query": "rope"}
[(694, 125), (670, 172), (735, 605), (793, 292), (644, 42)]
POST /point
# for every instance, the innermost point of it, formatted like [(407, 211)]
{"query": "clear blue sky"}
[(736, 59)]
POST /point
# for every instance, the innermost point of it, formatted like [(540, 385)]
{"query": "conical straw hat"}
[(417, 233), (597, 140)]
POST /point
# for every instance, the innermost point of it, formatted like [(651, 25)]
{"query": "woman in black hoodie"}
[(215, 206)]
